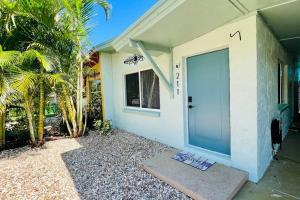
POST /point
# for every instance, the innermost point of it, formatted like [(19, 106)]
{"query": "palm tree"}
[(42, 31), (20, 84), (57, 29), (72, 17), (7, 60), (79, 13)]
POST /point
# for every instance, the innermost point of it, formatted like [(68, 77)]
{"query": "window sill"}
[(147, 112)]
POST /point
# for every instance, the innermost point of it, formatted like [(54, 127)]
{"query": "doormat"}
[(193, 160)]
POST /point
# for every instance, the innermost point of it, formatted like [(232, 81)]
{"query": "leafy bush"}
[(16, 128), (104, 127), (16, 138), (94, 108)]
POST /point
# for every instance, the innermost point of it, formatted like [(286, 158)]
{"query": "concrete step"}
[(219, 182)]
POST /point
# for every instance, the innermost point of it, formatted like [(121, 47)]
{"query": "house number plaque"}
[(177, 79)]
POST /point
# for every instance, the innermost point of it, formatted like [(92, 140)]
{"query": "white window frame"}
[(140, 108)]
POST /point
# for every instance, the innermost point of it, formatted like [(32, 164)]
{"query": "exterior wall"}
[(107, 78), (160, 126), (243, 75), (269, 53), (169, 126)]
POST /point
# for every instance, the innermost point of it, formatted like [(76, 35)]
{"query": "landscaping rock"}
[(91, 167)]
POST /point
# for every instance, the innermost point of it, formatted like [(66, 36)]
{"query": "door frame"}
[(222, 156)]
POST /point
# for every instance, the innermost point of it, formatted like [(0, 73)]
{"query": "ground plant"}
[(103, 127)]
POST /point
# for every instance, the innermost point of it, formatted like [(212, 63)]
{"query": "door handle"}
[(190, 106)]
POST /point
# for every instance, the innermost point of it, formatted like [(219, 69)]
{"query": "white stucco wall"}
[(269, 53), (243, 106), (170, 127), (167, 127)]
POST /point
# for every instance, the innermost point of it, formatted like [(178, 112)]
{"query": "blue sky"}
[(124, 13)]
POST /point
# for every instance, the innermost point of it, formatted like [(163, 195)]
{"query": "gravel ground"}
[(91, 167)]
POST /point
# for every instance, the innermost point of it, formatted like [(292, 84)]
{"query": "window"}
[(95, 99), (150, 89), (282, 84), (132, 90), (95, 86), (142, 90)]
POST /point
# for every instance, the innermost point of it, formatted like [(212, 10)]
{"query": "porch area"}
[(281, 181), (218, 182)]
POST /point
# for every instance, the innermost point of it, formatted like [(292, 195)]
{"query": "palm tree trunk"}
[(70, 110), (73, 120), (62, 106), (27, 106), (2, 114), (2, 129), (79, 98), (67, 121), (85, 120), (41, 123)]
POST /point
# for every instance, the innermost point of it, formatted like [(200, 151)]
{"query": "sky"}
[(123, 14)]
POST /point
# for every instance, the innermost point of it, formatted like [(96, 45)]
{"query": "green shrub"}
[(103, 127), (16, 138)]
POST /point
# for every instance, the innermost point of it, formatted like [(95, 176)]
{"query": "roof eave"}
[(156, 12), (105, 47)]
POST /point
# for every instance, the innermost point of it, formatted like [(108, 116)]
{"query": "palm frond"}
[(7, 8), (7, 93), (24, 81), (107, 7), (58, 78), (44, 61), (8, 57), (36, 45)]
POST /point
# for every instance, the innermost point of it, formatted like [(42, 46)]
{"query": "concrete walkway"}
[(282, 180), (217, 183)]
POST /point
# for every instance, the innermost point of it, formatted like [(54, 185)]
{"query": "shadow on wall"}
[(109, 167)]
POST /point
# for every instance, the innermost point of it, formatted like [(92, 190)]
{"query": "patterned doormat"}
[(193, 160)]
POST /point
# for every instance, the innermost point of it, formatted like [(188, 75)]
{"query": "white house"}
[(206, 76)]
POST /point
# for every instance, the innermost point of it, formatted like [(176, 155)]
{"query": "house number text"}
[(177, 79)]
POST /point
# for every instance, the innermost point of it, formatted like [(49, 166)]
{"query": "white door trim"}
[(223, 157)]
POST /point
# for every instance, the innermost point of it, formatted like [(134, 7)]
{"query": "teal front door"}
[(208, 101)]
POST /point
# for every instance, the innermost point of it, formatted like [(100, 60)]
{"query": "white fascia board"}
[(104, 45), (157, 12), (276, 5)]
